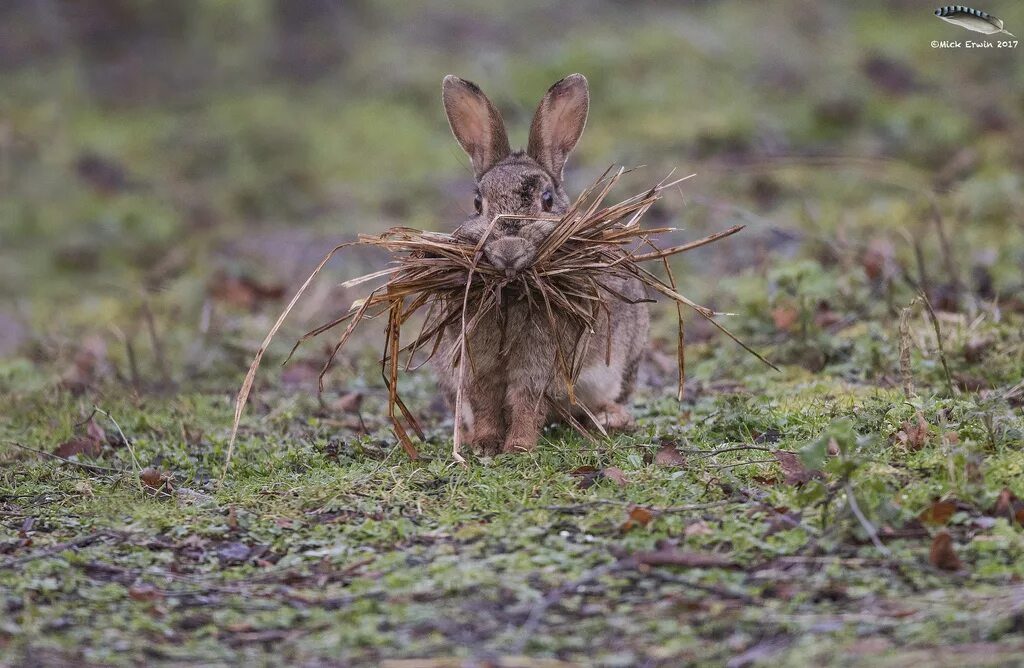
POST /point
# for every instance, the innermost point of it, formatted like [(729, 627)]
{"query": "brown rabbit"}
[(513, 386)]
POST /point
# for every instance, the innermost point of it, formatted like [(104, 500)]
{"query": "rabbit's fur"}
[(513, 385)]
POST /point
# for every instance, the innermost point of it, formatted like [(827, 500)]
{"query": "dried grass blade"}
[(250, 376)]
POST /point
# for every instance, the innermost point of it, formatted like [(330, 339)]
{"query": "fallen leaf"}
[(242, 291), (614, 474), (913, 435), (144, 592), (938, 513), (785, 317), (942, 555), (638, 517), (95, 432), (877, 260), (668, 456), (234, 553), (79, 445), (155, 480), (793, 470), (1008, 506), (89, 365), (589, 475)]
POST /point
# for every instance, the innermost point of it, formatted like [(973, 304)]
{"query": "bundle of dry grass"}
[(452, 283)]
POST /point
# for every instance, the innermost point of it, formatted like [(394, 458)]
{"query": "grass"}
[(321, 546), (146, 296)]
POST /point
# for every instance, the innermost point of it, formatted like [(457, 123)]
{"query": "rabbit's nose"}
[(508, 255)]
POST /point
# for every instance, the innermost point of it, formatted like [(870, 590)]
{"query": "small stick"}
[(57, 549), (89, 467), (868, 527), (127, 443), (906, 371), (938, 340)]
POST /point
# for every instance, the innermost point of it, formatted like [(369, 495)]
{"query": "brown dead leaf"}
[(785, 317), (638, 517), (667, 455), (877, 260), (1008, 506), (242, 291), (938, 513), (144, 592), (89, 365), (588, 475), (79, 445), (614, 474), (156, 481), (95, 432), (793, 470), (942, 555), (913, 435)]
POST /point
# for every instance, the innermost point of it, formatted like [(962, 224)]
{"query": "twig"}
[(906, 371), (90, 467), (628, 504), (719, 451), (722, 467), (127, 443), (869, 528), (60, 547), (158, 347), (540, 608), (938, 340), (709, 589)]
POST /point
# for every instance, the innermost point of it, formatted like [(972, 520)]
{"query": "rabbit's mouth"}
[(510, 255)]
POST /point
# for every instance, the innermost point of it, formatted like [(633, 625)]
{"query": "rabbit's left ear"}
[(558, 123)]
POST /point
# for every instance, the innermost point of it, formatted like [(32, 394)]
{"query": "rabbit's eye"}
[(547, 200), (478, 203)]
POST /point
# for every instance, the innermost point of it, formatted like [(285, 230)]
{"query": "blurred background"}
[(171, 171)]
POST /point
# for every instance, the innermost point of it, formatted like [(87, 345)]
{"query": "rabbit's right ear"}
[(558, 123), (475, 122)]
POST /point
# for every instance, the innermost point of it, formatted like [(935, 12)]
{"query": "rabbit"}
[(513, 385)]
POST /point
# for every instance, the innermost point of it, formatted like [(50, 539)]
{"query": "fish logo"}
[(972, 19)]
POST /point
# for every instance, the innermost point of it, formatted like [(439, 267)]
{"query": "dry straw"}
[(451, 281)]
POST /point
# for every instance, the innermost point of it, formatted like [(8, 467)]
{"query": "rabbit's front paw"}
[(615, 417), (487, 444), (518, 445)]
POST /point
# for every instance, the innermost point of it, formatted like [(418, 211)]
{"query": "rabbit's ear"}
[(475, 122), (558, 123)]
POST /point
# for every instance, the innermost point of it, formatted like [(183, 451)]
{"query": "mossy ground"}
[(147, 238)]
